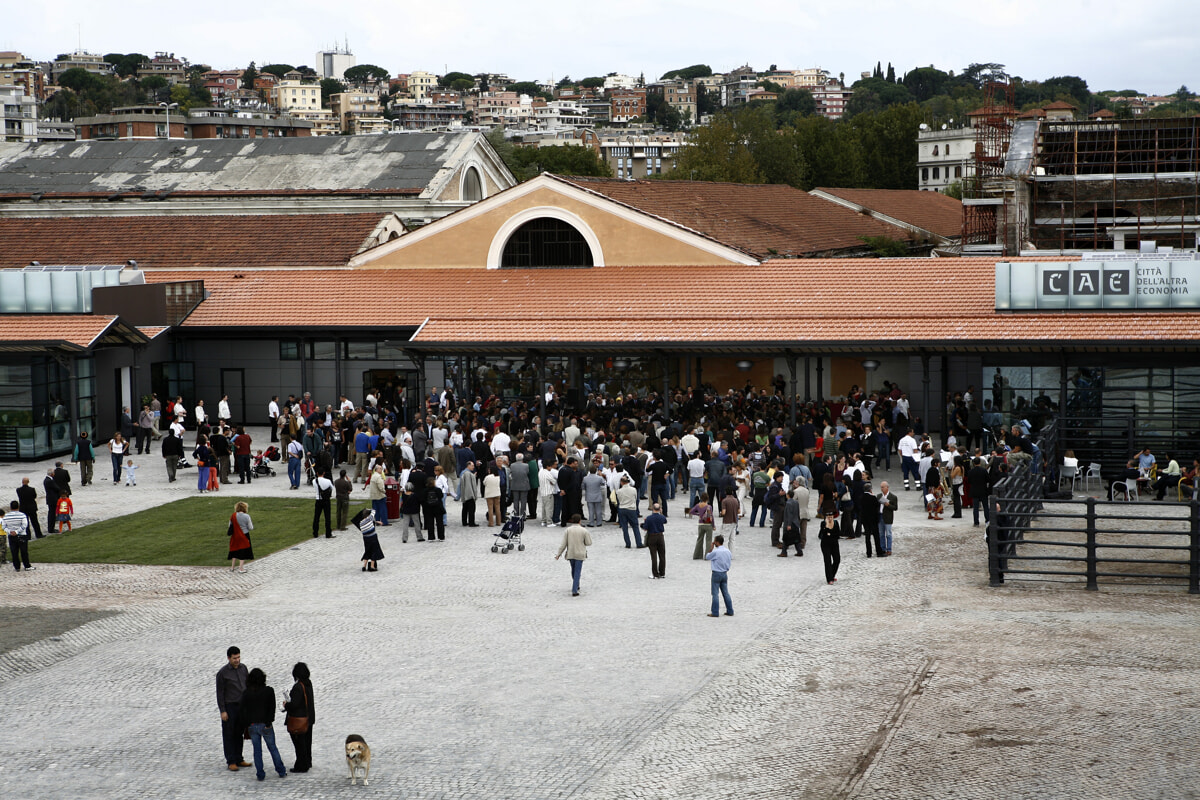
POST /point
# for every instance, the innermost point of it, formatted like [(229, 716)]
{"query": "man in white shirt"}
[(201, 414), (500, 444), (273, 417), (16, 525), (324, 503), (346, 407), (907, 448), (695, 470)]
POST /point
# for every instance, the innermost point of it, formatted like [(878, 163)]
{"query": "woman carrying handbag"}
[(301, 715)]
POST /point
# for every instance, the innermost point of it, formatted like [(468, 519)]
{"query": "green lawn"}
[(186, 533)]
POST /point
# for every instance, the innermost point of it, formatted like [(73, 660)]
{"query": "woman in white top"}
[(117, 447), (547, 492)]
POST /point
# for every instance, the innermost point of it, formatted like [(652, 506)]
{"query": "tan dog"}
[(358, 756)]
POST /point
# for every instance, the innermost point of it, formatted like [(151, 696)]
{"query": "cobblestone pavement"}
[(477, 675)]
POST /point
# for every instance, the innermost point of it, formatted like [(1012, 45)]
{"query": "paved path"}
[(477, 675)]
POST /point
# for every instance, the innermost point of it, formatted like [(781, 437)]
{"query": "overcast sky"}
[(1151, 45)]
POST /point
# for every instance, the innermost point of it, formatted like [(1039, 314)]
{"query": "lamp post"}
[(166, 107)]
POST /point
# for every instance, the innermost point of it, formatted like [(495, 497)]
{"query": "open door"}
[(398, 388), (233, 384)]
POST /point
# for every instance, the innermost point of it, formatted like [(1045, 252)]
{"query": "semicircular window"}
[(472, 187), (546, 242)]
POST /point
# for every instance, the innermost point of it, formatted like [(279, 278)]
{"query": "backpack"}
[(325, 493)]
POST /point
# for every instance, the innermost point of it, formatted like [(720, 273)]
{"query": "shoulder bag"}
[(298, 724)]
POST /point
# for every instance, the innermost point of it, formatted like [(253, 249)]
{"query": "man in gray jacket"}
[(594, 487), (518, 486)]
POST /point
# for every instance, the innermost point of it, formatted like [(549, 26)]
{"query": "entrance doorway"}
[(123, 382), (395, 388), (233, 384)]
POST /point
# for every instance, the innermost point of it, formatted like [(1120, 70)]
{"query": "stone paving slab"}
[(477, 675)]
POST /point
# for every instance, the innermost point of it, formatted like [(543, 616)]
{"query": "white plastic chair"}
[(1069, 473), (1093, 473), (1129, 486)]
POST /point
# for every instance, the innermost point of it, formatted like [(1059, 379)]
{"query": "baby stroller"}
[(272, 453), (262, 466), (509, 535)]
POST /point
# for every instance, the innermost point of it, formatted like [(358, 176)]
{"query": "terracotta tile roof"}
[(931, 211), (763, 220), (1060, 104), (186, 242), (76, 331), (803, 301)]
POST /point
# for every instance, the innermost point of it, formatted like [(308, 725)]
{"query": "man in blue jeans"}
[(721, 559), (295, 457)]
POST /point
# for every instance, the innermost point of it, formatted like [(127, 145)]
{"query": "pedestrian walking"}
[(655, 526), (575, 542), (117, 447), (704, 513), (240, 549), (16, 526), (831, 552), (85, 456), (324, 489), (721, 560)]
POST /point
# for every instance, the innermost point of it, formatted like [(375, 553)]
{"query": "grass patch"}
[(186, 533)]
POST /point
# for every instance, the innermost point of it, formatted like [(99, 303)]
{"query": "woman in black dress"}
[(300, 706), (364, 520), (831, 552)]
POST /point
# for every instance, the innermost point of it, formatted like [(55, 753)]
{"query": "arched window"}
[(546, 242), (472, 188)]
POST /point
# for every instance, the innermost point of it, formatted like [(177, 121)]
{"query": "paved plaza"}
[(477, 675)]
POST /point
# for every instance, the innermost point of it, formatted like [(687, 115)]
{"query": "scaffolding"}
[(988, 208), (1101, 185)]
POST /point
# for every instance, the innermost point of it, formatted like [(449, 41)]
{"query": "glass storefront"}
[(34, 406)]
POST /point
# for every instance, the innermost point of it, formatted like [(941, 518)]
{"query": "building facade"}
[(18, 115), (151, 122), (944, 157)]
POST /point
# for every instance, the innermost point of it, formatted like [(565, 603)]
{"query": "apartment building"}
[(222, 83), (627, 104), (294, 93), (164, 65), (347, 106), (679, 94), (633, 157), (417, 115), (17, 70), (81, 59), (151, 122), (420, 84), (944, 156), (18, 115), (324, 123)]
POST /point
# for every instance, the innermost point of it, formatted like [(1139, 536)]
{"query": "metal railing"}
[(1091, 539)]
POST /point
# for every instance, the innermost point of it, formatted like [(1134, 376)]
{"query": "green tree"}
[(592, 83), (565, 81), (449, 78), (876, 94), (888, 140), (793, 103), (126, 64), (954, 190), (330, 86), (925, 83), (689, 73), (278, 70), (832, 152), (560, 160), (249, 76), (462, 84), (528, 87), (366, 72), (706, 101), (885, 246), (719, 152), (153, 84), (306, 71), (891, 74), (79, 80)]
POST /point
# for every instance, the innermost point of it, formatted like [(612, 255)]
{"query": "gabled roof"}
[(933, 212), (810, 302), (195, 241), (70, 332), (408, 164), (1060, 104), (764, 220)]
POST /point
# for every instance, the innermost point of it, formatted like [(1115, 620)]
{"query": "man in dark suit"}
[(981, 489), (570, 486), (887, 515), (126, 424), (53, 492), (27, 498)]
